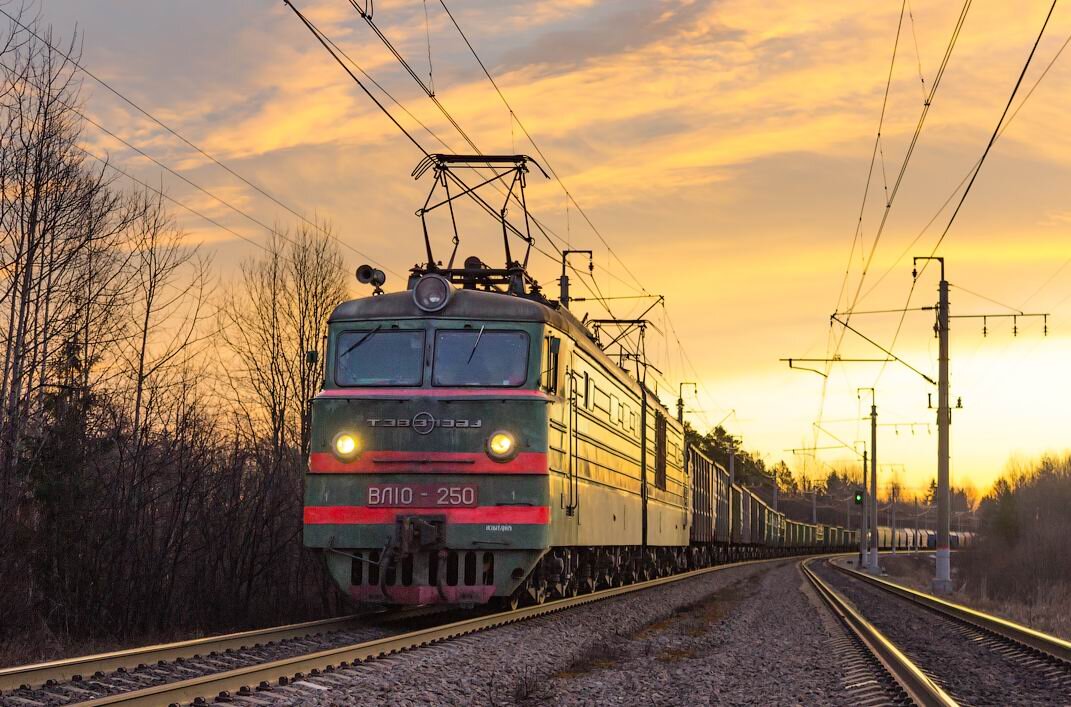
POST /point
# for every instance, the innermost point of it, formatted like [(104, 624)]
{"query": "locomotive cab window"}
[(380, 356), (477, 357)]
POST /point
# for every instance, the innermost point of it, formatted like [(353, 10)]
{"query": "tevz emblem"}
[(423, 423)]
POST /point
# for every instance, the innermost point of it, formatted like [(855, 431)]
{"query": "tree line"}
[(152, 424), (1024, 523)]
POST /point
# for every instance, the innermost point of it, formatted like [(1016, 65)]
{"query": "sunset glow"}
[(720, 148)]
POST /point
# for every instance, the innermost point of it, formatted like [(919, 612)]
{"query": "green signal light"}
[(858, 498)]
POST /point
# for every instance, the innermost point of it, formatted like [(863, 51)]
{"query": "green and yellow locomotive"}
[(471, 444)]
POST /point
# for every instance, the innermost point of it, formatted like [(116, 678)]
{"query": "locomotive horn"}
[(367, 275)]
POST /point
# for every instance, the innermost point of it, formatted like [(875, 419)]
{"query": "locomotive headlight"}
[(501, 446), (432, 292), (345, 446)]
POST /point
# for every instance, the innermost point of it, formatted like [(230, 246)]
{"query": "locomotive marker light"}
[(432, 292), (501, 446), (346, 447)]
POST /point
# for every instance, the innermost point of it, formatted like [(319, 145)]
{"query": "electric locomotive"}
[(462, 433)]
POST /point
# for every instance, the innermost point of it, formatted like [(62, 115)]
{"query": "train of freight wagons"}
[(473, 442)]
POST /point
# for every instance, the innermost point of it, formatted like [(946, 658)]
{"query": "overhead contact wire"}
[(204, 153), (981, 161)]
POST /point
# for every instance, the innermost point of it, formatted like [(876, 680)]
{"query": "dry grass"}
[(1049, 611), (915, 571), (692, 619), (595, 657), (674, 655)]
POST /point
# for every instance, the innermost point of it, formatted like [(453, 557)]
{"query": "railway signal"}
[(858, 498)]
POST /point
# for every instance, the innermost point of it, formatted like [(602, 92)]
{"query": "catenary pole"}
[(943, 579), (864, 558), (873, 482)]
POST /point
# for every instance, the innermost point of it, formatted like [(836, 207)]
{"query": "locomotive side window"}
[(375, 357), (551, 351), (468, 357), (660, 451)]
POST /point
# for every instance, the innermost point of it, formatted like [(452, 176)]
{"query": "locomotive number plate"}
[(422, 495)]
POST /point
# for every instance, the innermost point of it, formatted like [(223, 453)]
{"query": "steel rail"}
[(1050, 645), (919, 687), (65, 669), (249, 680)]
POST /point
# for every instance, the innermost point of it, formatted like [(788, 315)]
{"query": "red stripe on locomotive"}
[(512, 515)]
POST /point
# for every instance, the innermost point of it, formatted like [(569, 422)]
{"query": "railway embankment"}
[(761, 638), (538, 661), (974, 659), (1048, 610), (689, 639)]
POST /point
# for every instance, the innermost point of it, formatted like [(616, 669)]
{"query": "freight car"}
[(910, 539)]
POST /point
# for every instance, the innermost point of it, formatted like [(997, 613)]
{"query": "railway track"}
[(73, 680), (877, 671), (311, 672), (963, 656)]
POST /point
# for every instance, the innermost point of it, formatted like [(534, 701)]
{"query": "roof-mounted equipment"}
[(367, 275), (509, 170)]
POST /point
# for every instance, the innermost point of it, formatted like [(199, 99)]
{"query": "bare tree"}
[(272, 322), (140, 491)]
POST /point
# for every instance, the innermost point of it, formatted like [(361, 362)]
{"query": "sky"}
[(720, 148)]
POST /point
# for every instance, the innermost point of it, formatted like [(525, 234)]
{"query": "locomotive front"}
[(428, 472)]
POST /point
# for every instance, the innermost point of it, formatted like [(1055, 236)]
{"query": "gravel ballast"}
[(742, 635)]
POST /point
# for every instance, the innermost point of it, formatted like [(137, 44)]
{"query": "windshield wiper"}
[(477, 343), (363, 339)]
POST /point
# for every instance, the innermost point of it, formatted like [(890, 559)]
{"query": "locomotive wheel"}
[(537, 595), (510, 603)]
